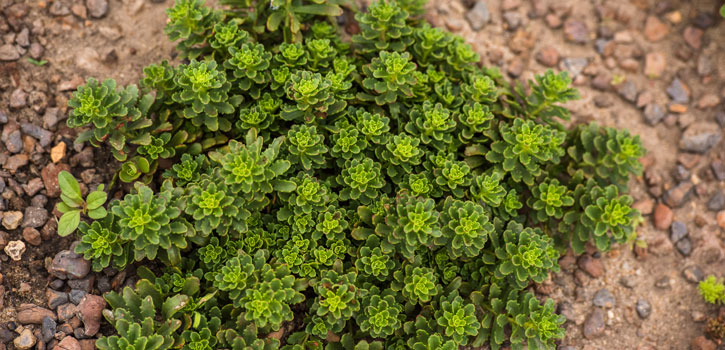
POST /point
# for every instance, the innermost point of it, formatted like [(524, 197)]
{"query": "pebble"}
[(36, 51), (68, 343), (590, 265), (66, 312), (76, 296), (653, 113), (594, 324), (678, 231), (88, 344), (12, 219), (33, 314), (97, 8), (12, 138), (654, 64), (89, 311), (678, 92), (55, 298), (628, 281), (654, 29), (18, 98), (478, 16), (698, 316), (9, 53), (49, 174), (630, 65), (57, 152), (705, 65), (33, 187), (604, 298), (684, 246), (717, 201), (15, 162), (58, 8), (548, 56), (513, 20), (700, 137), (702, 343), (576, 31), (43, 136), (679, 195), (25, 340), (627, 90), (693, 37), (35, 217), (693, 274), (575, 65), (644, 309), (602, 101), (15, 250), (48, 329), (708, 101), (663, 283), (67, 264), (23, 38), (85, 284), (32, 236)]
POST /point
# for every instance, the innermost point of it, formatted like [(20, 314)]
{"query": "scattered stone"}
[(655, 64), (594, 324), (684, 246), (604, 298), (43, 136), (32, 236), (678, 231), (677, 108), (68, 343), (25, 340), (630, 65), (513, 20), (15, 162), (654, 29), (57, 152), (603, 101), (718, 168), (479, 15), (678, 92), (717, 201), (703, 20), (48, 329), (58, 8), (69, 265), (548, 56), (576, 31), (33, 314), (97, 8), (591, 265), (84, 284), (708, 101), (66, 312), (693, 274), (628, 282), (679, 195), (663, 283), (693, 37), (49, 174), (35, 217), (12, 219), (9, 53), (111, 33), (33, 187), (698, 316), (36, 51), (702, 343), (653, 113), (700, 137), (627, 90), (516, 67), (55, 298), (89, 311), (12, 138), (76, 296), (644, 309), (18, 98), (574, 65), (88, 344)]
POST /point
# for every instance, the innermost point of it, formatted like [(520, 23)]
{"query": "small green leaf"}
[(98, 213), (69, 222), (68, 185), (96, 199)]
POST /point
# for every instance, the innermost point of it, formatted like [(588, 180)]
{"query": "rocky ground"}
[(653, 67)]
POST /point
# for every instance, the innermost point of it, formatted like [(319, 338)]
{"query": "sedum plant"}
[(300, 188)]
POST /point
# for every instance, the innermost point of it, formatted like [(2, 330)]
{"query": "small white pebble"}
[(15, 250)]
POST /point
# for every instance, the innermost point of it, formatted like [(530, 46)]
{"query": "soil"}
[(130, 36)]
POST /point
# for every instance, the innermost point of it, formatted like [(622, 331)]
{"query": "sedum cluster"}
[(379, 192)]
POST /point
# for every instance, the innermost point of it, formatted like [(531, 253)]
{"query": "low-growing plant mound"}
[(379, 192)]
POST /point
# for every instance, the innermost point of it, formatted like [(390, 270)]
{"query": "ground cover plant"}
[(381, 191)]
